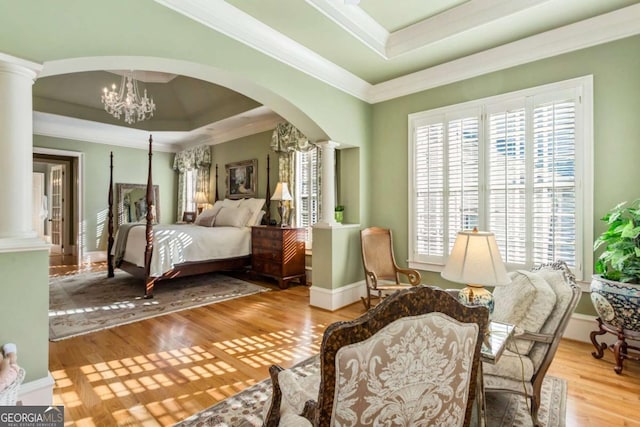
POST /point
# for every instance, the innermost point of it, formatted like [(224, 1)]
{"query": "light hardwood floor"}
[(159, 371)]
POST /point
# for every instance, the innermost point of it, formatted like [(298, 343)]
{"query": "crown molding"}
[(232, 22), (590, 32), (84, 130), (222, 17)]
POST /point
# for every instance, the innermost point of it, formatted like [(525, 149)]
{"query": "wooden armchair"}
[(414, 357), (382, 274)]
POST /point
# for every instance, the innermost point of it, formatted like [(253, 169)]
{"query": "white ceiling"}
[(377, 50)]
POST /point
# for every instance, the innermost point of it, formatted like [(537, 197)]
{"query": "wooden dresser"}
[(278, 253)]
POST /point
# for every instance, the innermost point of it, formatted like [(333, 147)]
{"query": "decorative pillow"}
[(542, 304), (512, 301), (259, 219), (232, 217), (254, 206), (208, 216)]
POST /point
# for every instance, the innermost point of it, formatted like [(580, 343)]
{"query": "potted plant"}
[(339, 213), (615, 288)]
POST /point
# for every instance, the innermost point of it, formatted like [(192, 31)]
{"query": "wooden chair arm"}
[(373, 279), (413, 275), (309, 411), (273, 416)]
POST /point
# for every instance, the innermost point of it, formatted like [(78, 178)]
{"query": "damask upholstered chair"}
[(540, 303), (382, 274), (412, 359)]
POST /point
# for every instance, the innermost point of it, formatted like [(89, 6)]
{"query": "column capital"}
[(327, 144), (20, 66)]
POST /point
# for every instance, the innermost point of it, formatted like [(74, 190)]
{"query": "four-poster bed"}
[(229, 247)]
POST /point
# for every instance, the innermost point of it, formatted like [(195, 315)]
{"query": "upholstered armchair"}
[(540, 303), (382, 274), (414, 357)]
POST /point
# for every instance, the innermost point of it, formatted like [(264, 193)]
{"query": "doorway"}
[(57, 209)]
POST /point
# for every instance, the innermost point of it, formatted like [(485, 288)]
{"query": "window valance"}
[(286, 137), (192, 158)]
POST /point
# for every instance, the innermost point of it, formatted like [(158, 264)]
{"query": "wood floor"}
[(159, 371)]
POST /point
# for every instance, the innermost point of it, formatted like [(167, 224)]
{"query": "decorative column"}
[(16, 148), (328, 153)]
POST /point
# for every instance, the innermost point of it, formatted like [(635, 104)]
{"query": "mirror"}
[(132, 204)]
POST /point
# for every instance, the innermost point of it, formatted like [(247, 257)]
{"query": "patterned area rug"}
[(90, 302), (245, 409)]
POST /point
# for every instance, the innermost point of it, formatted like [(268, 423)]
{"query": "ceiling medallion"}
[(135, 108)]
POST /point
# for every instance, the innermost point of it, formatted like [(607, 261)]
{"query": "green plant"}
[(339, 208), (620, 260)]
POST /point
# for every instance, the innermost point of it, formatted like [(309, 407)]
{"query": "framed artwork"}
[(242, 179), (188, 216)]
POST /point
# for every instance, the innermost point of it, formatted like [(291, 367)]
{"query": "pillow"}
[(259, 219), (254, 206), (540, 306), (208, 216), (513, 300), (228, 203), (232, 217)]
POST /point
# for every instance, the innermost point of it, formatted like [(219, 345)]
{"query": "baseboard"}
[(579, 327), (37, 392), (333, 299)]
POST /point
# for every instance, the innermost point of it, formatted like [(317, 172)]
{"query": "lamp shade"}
[(200, 198), (475, 259), (282, 192)]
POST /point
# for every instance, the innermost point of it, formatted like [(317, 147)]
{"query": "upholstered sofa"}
[(540, 303)]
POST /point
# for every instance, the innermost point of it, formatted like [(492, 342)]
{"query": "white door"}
[(56, 213), (39, 204)]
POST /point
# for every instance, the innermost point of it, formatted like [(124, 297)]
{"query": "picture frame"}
[(242, 179), (188, 217)]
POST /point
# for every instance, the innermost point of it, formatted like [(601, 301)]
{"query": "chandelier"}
[(135, 108)]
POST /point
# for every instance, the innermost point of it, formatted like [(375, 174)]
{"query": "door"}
[(39, 204), (57, 209)]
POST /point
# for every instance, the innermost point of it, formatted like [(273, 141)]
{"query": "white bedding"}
[(175, 244)]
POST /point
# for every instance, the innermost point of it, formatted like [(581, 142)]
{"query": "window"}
[(307, 212), (517, 165), (190, 190)]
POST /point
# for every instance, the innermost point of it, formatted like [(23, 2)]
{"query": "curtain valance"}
[(193, 158), (286, 137)]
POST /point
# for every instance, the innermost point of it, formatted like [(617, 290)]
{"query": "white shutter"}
[(554, 182), (307, 190), (429, 190), (506, 183)]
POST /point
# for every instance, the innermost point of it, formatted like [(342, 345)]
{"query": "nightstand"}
[(278, 252)]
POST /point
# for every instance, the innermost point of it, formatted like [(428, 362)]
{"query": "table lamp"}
[(475, 260), (282, 195), (200, 200)]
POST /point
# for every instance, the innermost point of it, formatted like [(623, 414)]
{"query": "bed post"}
[(267, 198), (110, 219), (217, 196), (149, 281)]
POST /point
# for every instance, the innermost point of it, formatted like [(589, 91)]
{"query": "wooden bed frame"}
[(179, 270)]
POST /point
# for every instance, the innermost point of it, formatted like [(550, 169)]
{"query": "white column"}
[(16, 153), (328, 153)]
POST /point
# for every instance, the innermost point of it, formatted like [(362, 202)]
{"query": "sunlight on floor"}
[(125, 378)]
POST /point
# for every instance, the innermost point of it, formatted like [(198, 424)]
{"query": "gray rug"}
[(90, 302), (503, 410)]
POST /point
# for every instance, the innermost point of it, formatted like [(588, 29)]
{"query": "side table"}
[(279, 253)]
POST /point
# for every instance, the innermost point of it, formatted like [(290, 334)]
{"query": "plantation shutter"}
[(446, 182), (307, 206)]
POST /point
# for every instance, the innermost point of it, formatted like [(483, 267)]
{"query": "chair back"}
[(377, 253), (414, 357)]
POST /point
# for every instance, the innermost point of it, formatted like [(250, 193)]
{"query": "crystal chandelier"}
[(134, 107)]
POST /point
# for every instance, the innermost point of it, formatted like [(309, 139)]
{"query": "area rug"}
[(89, 302), (245, 409)]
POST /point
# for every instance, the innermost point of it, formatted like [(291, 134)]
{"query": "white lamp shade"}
[(200, 198), (282, 192), (475, 259)]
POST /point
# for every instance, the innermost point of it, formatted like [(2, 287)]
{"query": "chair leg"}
[(535, 404), (367, 301)]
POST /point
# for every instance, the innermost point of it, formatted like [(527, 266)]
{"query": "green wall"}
[(616, 131), (129, 166), (25, 304)]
